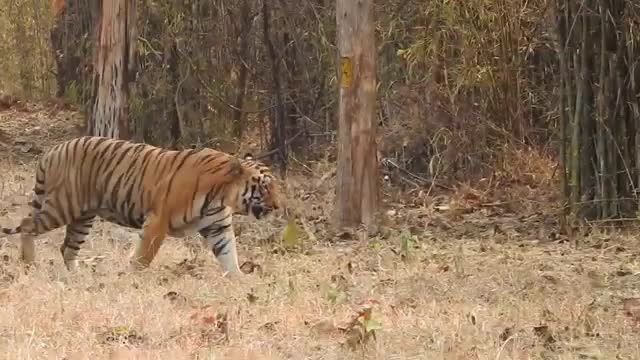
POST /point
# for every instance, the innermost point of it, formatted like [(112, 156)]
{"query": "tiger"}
[(158, 191)]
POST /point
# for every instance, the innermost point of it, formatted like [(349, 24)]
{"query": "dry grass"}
[(490, 282)]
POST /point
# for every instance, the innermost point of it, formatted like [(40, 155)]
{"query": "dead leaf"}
[(326, 326), (552, 279), (506, 334), (545, 335), (268, 326), (631, 307), (345, 235), (124, 335), (249, 267), (174, 297), (251, 297), (443, 268), (340, 282), (208, 320), (472, 318), (623, 272)]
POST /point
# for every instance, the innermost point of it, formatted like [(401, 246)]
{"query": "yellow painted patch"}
[(347, 71)]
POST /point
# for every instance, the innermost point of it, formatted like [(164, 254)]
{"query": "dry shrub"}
[(25, 53), (517, 162), (464, 80), (424, 136)]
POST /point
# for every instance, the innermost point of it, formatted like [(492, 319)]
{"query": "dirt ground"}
[(469, 274)]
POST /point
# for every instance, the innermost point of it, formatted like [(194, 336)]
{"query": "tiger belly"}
[(134, 222)]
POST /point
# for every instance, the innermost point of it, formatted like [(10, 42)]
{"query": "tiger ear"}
[(248, 156), (235, 168)]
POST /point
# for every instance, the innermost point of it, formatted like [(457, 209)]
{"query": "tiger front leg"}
[(153, 233), (222, 241)]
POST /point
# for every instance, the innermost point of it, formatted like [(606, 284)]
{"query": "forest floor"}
[(476, 273)]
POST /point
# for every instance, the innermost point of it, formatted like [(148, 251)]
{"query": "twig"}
[(176, 100), (302, 164), (215, 93), (416, 177), (273, 151)]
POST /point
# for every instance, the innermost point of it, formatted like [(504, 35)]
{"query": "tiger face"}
[(261, 194)]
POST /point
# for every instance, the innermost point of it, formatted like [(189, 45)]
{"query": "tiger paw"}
[(234, 275)]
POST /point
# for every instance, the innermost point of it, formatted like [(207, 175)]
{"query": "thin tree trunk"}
[(603, 181), (239, 117), (357, 186), (563, 106), (575, 141), (279, 115)]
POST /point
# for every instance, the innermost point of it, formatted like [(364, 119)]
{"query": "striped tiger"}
[(135, 185)]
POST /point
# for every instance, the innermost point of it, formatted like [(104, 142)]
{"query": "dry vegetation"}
[(474, 273), (477, 271)]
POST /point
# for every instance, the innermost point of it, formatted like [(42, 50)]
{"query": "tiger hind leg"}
[(45, 217), (27, 239), (75, 236), (28, 234)]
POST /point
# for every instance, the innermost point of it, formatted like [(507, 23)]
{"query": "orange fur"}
[(141, 186)]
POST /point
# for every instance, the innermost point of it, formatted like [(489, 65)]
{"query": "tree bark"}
[(357, 184), (244, 33), (279, 114), (114, 65)]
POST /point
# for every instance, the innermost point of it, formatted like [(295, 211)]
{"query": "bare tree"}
[(114, 64), (357, 187)]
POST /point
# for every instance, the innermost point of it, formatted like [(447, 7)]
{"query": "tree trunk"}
[(357, 186), (243, 31), (72, 36), (114, 65), (279, 113), (563, 107)]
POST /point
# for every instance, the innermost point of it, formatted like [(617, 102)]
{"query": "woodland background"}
[(462, 86), (459, 82)]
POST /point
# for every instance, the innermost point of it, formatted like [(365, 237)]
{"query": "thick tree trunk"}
[(114, 65), (357, 187)]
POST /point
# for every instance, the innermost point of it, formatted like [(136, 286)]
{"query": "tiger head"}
[(260, 194)]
